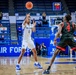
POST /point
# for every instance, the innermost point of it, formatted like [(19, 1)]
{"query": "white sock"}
[(18, 64), (36, 62), (71, 56)]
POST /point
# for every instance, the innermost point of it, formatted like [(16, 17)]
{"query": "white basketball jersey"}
[(27, 31)]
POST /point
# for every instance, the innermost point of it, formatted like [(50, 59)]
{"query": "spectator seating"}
[(40, 6), (4, 32), (4, 6), (71, 5)]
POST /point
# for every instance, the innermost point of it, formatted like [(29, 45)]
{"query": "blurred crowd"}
[(41, 49), (42, 20)]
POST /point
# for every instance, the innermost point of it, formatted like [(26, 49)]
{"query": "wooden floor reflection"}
[(62, 66)]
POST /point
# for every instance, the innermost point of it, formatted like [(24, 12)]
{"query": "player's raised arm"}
[(24, 23), (33, 28), (34, 23), (58, 33), (26, 20)]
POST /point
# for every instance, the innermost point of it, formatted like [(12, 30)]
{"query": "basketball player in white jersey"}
[(27, 41)]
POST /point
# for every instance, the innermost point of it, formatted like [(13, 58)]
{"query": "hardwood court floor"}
[(62, 66)]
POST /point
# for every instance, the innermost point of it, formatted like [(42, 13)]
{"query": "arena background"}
[(12, 14)]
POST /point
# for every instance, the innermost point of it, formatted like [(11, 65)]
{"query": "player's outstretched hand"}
[(34, 23)]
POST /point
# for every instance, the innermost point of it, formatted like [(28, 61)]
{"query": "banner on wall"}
[(12, 51)]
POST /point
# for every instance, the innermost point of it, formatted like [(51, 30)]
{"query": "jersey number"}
[(68, 28)]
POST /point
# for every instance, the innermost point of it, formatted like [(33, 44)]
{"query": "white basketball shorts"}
[(28, 43)]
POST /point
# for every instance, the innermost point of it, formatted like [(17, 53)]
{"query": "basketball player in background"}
[(27, 41), (67, 29)]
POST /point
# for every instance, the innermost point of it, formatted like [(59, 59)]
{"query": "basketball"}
[(29, 5)]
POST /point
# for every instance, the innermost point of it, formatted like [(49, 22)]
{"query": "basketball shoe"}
[(18, 67), (37, 65)]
